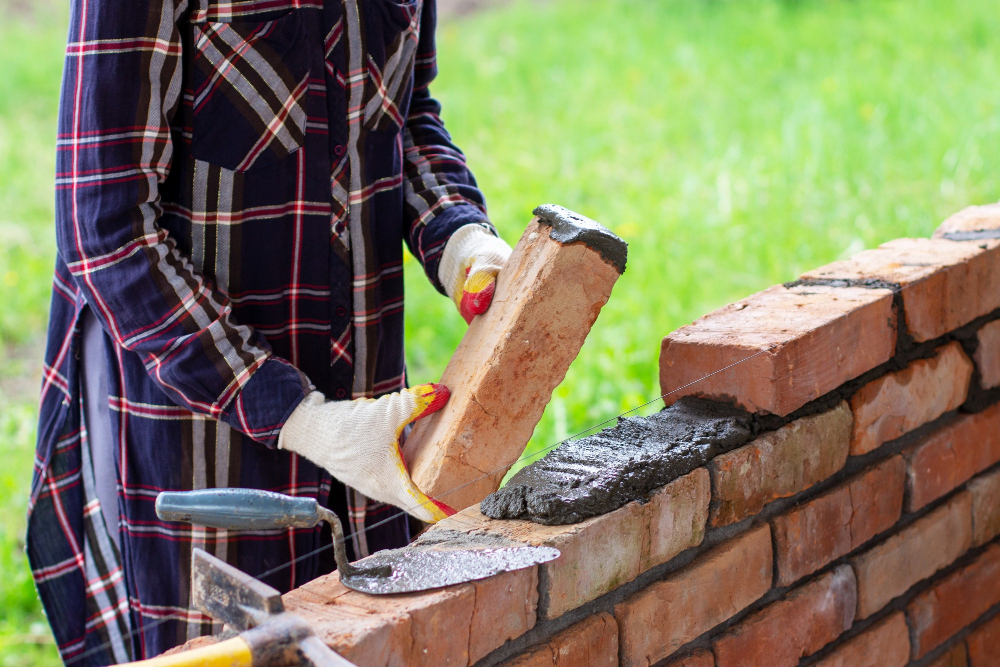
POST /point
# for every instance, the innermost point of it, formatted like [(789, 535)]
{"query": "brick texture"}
[(885, 644), (899, 402), (944, 284), (700, 658), (985, 491), (954, 602), (778, 465), (785, 631), (604, 552), (988, 354), (948, 457), (984, 644), (790, 346), (890, 568), (592, 642), (956, 656), (834, 524), (655, 622), (971, 219)]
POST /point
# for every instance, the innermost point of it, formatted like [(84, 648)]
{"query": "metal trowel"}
[(405, 570)]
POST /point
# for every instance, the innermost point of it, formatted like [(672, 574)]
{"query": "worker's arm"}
[(121, 89), (442, 196)]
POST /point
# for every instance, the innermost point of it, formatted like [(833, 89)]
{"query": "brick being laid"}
[(779, 349), (944, 284), (971, 223), (950, 456), (798, 625), (899, 402)]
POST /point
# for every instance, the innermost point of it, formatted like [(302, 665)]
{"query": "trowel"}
[(406, 570)]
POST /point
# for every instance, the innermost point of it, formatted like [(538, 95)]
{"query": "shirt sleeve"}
[(441, 192), (121, 88)]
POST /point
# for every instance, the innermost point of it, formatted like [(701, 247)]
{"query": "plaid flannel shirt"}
[(235, 180)]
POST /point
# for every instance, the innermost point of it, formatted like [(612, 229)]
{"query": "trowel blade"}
[(421, 570)]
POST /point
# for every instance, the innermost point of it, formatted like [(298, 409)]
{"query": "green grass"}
[(733, 144)]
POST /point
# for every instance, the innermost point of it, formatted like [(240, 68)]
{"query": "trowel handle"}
[(238, 509)]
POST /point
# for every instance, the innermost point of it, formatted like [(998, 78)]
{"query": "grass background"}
[(732, 143)]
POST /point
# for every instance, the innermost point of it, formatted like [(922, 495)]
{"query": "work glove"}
[(469, 266), (358, 442)]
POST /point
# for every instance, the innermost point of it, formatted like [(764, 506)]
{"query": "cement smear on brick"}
[(600, 473), (569, 227)]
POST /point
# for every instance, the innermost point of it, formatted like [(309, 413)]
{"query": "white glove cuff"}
[(470, 241)]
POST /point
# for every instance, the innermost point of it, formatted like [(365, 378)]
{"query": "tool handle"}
[(233, 652), (238, 509)]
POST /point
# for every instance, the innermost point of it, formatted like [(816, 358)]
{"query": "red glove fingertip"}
[(476, 303)]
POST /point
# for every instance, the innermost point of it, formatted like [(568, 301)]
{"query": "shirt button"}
[(341, 311), (338, 150), (341, 393)]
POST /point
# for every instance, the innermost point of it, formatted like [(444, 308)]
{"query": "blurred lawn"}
[(733, 144)]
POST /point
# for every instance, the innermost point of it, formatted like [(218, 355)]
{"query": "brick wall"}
[(859, 529)]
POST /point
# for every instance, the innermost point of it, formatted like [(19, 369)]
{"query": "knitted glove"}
[(469, 266), (358, 443)]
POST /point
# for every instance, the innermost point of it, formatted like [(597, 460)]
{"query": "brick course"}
[(943, 460), (944, 284), (804, 342), (899, 402), (593, 642), (658, 620), (885, 644), (778, 464), (956, 656), (632, 539), (954, 602), (988, 354), (930, 543), (834, 524), (806, 620)]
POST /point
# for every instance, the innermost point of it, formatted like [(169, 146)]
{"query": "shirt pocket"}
[(249, 84), (393, 33)]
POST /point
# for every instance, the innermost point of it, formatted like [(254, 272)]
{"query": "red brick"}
[(988, 354), (783, 632), (778, 464), (899, 402), (985, 491), (984, 644), (944, 284), (954, 602), (945, 459), (786, 347), (834, 524), (506, 607), (592, 641), (956, 656), (641, 535), (971, 219), (699, 658), (885, 644), (658, 620), (930, 543)]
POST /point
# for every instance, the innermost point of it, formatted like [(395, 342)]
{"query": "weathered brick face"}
[(852, 521)]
